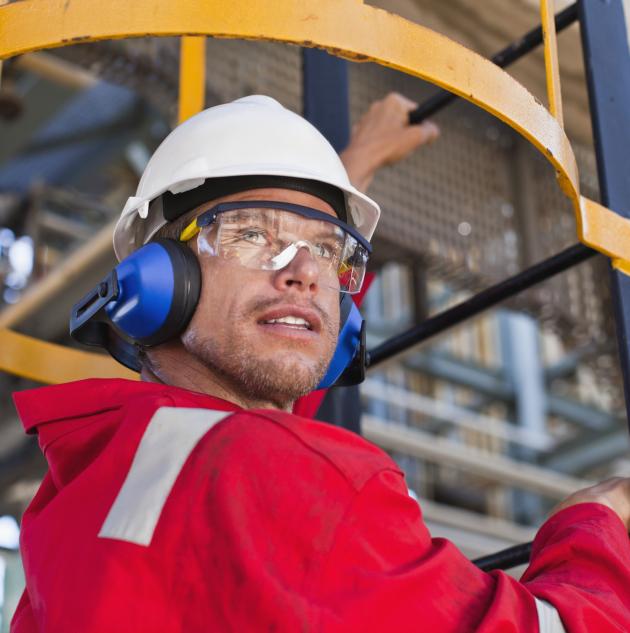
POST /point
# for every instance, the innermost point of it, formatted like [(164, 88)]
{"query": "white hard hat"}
[(252, 136)]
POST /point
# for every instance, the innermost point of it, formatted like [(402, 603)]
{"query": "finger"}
[(401, 101), (431, 131)]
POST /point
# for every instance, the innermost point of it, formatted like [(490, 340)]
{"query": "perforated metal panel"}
[(476, 206)]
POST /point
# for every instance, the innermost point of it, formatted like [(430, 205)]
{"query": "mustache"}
[(260, 305)]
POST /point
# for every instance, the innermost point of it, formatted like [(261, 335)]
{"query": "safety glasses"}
[(267, 235)]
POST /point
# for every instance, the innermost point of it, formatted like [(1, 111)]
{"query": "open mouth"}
[(293, 322), (292, 319)]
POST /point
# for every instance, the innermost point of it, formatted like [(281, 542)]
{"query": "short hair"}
[(172, 230)]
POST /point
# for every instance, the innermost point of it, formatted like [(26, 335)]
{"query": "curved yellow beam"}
[(52, 364), (375, 35)]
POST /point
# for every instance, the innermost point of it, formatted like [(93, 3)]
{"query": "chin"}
[(276, 374), (292, 373)]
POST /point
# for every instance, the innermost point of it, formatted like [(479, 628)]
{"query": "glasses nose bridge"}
[(289, 251)]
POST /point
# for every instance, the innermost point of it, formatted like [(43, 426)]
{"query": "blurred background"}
[(493, 421)]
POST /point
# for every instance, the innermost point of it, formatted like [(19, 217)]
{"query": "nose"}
[(301, 273)]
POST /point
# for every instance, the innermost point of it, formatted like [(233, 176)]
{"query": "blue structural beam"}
[(607, 61), (325, 95), (325, 101)]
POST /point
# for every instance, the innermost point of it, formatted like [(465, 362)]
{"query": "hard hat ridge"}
[(252, 136)]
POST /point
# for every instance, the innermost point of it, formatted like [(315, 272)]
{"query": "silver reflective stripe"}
[(548, 619), (167, 442)]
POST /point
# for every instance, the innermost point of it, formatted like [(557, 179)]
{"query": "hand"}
[(383, 136), (614, 493)]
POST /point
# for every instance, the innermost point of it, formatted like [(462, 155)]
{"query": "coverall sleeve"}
[(385, 573)]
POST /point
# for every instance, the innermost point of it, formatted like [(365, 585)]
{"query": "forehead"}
[(278, 194), (280, 220)]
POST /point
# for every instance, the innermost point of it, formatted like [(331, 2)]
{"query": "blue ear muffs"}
[(151, 296), (146, 300), (347, 366)]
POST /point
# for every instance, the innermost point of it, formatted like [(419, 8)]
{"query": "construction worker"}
[(194, 500)]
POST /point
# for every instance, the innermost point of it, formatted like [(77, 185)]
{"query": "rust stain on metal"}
[(75, 39)]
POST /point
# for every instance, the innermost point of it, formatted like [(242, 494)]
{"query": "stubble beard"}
[(279, 380)]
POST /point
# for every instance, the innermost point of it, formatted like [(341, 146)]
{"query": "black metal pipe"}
[(503, 58), (506, 558), (481, 301), (518, 554)]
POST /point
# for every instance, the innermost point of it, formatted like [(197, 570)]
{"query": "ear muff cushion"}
[(186, 291), (159, 288)]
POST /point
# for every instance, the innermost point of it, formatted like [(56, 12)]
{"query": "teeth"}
[(291, 320)]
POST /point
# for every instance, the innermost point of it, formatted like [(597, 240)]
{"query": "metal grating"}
[(473, 208)]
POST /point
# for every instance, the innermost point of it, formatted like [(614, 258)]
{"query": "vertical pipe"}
[(604, 29), (520, 351)]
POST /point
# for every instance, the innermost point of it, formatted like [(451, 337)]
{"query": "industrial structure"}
[(502, 412)]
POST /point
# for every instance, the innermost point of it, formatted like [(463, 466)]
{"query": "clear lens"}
[(269, 239)]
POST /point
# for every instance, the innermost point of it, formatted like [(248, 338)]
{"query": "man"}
[(194, 501)]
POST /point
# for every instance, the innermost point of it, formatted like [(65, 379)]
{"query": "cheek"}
[(330, 304), (225, 290), (214, 302)]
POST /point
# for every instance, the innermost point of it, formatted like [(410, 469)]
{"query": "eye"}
[(327, 250), (253, 236)]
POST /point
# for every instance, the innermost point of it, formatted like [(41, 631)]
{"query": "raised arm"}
[(383, 136)]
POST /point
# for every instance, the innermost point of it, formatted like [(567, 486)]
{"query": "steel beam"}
[(604, 29), (410, 441), (454, 415), (325, 95), (589, 452), (325, 105), (493, 385), (61, 277)]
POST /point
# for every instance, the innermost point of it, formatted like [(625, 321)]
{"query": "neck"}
[(171, 364)]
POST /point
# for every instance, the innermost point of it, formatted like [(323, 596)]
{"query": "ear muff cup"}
[(348, 342), (158, 290)]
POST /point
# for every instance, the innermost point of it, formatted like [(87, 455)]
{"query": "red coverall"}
[(170, 511)]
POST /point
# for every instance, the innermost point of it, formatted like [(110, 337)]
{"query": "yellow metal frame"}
[(50, 363), (375, 35), (552, 71), (192, 76)]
